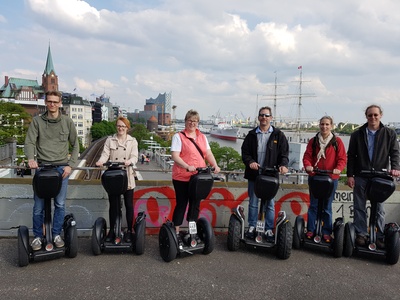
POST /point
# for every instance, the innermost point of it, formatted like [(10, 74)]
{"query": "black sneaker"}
[(250, 232), (269, 236), (380, 243), (197, 238), (128, 236), (361, 240), (179, 238), (110, 236)]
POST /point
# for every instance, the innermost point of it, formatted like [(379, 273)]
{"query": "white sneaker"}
[(58, 241), (250, 232), (269, 235), (36, 244)]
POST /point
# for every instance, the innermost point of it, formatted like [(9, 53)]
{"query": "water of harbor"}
[(292, 136)]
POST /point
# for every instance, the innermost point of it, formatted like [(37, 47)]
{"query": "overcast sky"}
[(214, 56)]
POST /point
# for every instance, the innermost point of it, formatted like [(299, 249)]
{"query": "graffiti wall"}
[(88, 201)]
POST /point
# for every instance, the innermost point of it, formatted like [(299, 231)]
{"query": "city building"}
[(80, 111)]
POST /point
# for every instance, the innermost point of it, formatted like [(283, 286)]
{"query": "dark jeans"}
[(115, 207), (360, 209), (326, 211)]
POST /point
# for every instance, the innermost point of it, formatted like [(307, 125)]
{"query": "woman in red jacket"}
[(325, 151)]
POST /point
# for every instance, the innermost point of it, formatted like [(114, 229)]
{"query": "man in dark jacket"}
[(372, 146), (264, 146)]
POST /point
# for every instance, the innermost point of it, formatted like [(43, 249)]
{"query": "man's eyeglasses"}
[(264, 115), (121, 126), (372, 115), (53, 102), (192, 121)]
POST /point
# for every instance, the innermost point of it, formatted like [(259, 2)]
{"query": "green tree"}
[(140, 133), (228, 159), (14, 122), (103, 128)]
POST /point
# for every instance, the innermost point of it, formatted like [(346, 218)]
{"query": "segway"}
[(265, 187), (321, 187), (115, 182), (200, 237), (379, 188), (47, 184)]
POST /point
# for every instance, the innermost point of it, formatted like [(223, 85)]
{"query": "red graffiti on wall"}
[(298, 202), (147, 200), (159, 202)]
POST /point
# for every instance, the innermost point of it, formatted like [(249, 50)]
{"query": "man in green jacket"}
[(49, 137)]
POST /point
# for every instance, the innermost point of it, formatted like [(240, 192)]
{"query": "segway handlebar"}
[(269, 170), (52, 165), (367, 173), (320, 171), (115, 164), (205, 169)]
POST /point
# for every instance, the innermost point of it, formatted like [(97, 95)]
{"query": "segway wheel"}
[(140, 233), (348, 242), (206, 234), (298, 232), (167, 244), (98, 235), (285, 237), (392, 247), (71, 241), (234, 231), (23, 246), (338, 241)]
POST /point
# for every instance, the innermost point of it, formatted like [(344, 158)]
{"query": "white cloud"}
[(215, 55)]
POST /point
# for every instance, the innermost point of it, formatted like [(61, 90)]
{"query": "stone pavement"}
[(244, 274), (152, 171)]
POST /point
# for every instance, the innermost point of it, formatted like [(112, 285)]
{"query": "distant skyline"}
[(213, 56)]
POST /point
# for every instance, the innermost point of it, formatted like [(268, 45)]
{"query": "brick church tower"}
[(49, 77)]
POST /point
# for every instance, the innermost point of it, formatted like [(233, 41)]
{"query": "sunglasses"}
[(264, 115)]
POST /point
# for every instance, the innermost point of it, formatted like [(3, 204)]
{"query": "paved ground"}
[(145, 172), (244, 274)]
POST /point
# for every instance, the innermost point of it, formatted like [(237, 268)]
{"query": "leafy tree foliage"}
[(228, 159), (103, 128), (14, 122)]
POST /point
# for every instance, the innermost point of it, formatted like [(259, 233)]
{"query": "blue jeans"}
[(253, 209), (326, 211), (360, 209), (59, 210)]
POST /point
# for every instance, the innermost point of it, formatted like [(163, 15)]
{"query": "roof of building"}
[(72, 99), (153, 119), (15, 85)]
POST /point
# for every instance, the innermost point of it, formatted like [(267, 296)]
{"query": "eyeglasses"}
[(264, 115), (192, 121), (121, 126), (53, 102), (373, 115)]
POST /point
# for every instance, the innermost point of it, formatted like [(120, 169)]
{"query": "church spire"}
[(49, 63)]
